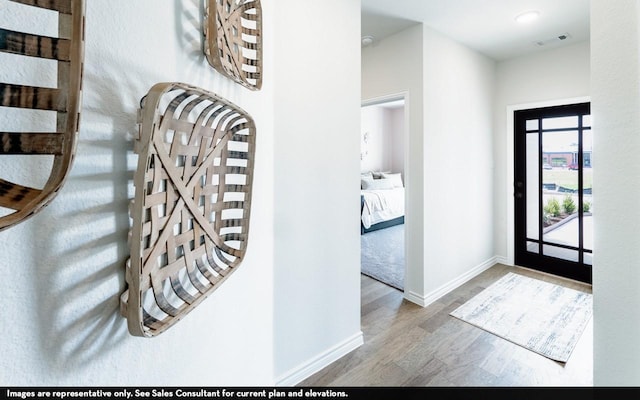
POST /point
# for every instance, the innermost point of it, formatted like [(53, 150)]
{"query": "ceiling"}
[(488, 26)]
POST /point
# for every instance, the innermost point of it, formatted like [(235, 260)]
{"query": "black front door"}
[(553, 190)]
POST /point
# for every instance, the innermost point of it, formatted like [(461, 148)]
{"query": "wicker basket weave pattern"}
[(192, 203), (233, 40), (65, 53)]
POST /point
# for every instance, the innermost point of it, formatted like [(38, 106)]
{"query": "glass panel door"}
[(553, 190)]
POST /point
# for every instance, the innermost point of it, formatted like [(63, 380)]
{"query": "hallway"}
[(407, 345)]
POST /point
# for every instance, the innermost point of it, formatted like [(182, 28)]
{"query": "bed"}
[(381, 202)]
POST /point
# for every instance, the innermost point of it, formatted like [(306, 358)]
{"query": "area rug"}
[(382, 255), (542, 317)]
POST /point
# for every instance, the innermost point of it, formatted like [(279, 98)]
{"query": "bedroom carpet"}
[(382, 255), (542, 317)]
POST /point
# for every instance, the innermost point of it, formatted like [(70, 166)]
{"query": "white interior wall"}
[(388, 140), (395, 128), (458, 136), (316, 185), (615, 65), (374, 152), (61, 324), (384, 148), (552, 77), (392, 67), (446, 79), (64, 268)]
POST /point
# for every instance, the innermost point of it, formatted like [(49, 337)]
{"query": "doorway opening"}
[(382, 195), (553, 190)]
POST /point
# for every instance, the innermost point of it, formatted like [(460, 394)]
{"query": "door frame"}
[(404, 96), (509, 178)]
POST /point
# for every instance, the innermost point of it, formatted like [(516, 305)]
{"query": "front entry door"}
[(553, 190)]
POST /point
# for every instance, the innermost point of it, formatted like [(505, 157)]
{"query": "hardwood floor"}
[(408, 345)]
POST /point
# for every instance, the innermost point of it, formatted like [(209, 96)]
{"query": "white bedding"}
[(382, 205)]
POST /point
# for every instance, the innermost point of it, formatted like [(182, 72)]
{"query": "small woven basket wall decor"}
[(192, 203), (64, 53), (233, 40)]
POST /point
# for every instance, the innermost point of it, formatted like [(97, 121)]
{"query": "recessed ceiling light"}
[(527, 17)]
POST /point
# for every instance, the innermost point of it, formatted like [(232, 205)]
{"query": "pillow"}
[(378, 175), (367, 174), (396, 179), (377, 184), (365, 180)]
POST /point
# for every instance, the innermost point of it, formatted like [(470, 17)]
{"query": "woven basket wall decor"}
[(64, 53), (192, 203), (233, 40)]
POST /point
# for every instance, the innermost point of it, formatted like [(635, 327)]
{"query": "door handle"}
[(519, 185)]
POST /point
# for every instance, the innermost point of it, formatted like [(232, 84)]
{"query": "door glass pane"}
[(558, 252), (564, 232), (586, 120), (533, 192), (533, 124), (588, 258), (533, 247), (587, 151), (560, 123), (587, 204), (560, 184)]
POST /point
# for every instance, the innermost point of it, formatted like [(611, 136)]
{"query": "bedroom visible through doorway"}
[(382, 195)]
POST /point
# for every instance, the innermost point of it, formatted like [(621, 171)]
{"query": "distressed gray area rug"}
[(542, 317), (382, 255)]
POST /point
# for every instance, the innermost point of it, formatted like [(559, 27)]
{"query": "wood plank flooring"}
[(409, 345)]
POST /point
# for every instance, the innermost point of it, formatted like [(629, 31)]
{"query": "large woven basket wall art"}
[(192, 203), (233, 40), (65, 54)]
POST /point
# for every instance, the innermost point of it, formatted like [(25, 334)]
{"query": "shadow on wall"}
[(81, 274), (189, 23), (189, 20), (80, 240)]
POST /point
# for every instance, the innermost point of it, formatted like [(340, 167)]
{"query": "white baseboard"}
[(305, 370), (451, 285), (503, 260), (415, 298)]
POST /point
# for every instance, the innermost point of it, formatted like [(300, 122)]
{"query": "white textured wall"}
[(375, 151), (395, 127), (390, 67), (60, 324), (317, 206), (458, 162), (63, 270), (385, 145), (547, 78), (615, 66), (450, 98)]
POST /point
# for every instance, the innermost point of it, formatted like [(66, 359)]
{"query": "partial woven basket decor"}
[(233, 40), (64, 54), (192, 203)]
